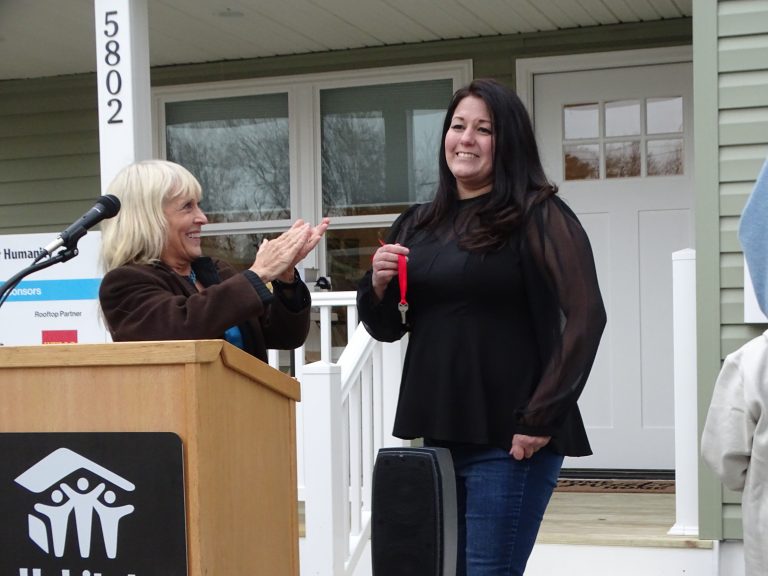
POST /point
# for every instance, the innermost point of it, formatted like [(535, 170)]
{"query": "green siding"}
[(731, 57), (49, 153), (729, 241), (740, 163), (743, 89), (743, 125), (731, 84), (732, 275), (733, 196), (732, 527), (743, 53), (741, 18)]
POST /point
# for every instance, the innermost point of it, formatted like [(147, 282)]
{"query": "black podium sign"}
[(101, 504)]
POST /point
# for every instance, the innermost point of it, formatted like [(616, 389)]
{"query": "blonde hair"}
[(137, 235)]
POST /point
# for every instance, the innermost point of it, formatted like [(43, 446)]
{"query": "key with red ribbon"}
[(402, 275)]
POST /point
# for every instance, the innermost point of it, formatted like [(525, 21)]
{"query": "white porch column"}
[(392, 358), (122, 72), (326, 489), (686, 427)]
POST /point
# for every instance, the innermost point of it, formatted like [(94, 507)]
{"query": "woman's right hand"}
[(275, 257), (384, 266)]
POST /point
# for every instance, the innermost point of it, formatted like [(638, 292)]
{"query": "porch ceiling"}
[(49, 38)]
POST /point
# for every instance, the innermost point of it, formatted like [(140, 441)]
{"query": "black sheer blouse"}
[(500, 342)]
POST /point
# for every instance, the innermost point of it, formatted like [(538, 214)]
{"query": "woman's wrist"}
[(265, 276), (378, 293)]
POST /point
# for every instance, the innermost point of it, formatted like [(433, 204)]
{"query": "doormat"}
[(616, 486)]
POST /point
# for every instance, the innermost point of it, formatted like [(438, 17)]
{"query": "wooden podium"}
[(234, 414)]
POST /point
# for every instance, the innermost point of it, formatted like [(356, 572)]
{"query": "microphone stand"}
[(66, 254)]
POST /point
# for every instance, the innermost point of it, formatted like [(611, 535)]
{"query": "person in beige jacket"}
[(735, 442)]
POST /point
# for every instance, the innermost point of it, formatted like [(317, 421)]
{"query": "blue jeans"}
[(501, 502)]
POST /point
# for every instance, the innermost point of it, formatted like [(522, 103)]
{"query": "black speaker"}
[(413, 513)]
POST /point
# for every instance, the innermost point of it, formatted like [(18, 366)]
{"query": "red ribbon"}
[(402, 275)]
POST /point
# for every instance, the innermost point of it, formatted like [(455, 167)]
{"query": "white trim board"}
[(527, 68)]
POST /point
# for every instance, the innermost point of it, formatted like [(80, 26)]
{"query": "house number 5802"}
[(113, 80)]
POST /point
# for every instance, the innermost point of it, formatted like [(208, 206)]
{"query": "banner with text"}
[(57, 305)]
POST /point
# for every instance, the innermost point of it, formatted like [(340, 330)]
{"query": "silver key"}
[(403, 307)]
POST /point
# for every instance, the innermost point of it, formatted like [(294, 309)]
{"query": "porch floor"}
[(606, 519), (610, 519)]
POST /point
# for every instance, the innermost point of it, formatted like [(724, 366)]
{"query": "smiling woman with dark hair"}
[(159, 286), (504, 317)]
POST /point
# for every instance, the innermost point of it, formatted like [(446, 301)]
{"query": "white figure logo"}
[(83, 500)]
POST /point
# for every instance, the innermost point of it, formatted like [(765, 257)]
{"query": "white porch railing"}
[(686, 402), (344, 417)]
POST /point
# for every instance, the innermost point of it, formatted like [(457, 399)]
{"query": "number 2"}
[(114, 119)]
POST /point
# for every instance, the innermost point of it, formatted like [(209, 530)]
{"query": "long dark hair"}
[(519, 182)]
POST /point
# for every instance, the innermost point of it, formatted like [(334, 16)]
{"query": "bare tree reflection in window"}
[(353, 162), (622, 159), (582, 161), (665, 157), (427, 134), (266, 152), (242, 165)]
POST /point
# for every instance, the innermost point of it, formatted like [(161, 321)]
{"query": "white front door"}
[(619, 143)]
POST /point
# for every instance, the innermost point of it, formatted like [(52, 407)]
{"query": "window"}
[(379, 151), (379, 146), (623, 139), (356, 146), (238, 150)]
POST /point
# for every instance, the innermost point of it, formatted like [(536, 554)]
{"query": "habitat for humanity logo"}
[(48, 529)]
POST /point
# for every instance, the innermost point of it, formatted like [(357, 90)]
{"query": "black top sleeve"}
[(295, 295), (567, 308)]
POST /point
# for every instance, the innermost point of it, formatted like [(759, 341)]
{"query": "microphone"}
[(106, 207)]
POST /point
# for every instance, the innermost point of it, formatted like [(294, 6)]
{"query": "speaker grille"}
[(408, 533)]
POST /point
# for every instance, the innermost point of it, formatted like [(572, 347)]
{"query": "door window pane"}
[(665, 157), (622, 118), (622, 159), (582, 161), (238, 150), (665, 115), (581, 121), (380, 145)]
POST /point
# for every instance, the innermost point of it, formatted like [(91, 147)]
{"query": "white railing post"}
[(326, 490), (392, 356), (325, 334), (686, 426), (368, 434)]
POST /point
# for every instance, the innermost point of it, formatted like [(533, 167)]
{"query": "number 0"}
[(114, 82)]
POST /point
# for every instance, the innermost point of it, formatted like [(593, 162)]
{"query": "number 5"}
[(110, 22)]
